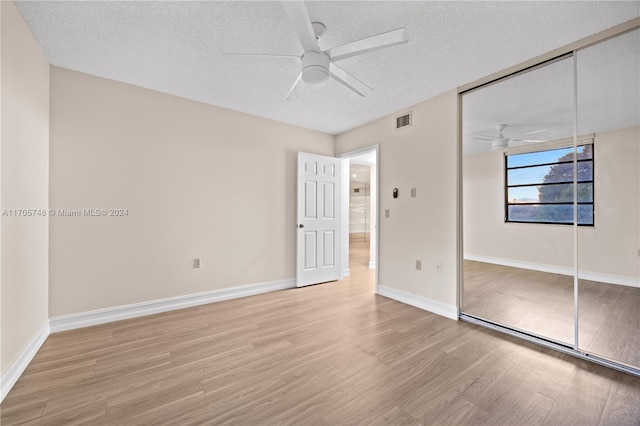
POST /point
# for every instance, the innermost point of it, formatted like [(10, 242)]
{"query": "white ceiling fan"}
[(317, 65), (500, 142)]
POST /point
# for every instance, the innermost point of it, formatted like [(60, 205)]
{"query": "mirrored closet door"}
[(551, 202), (608, 100), (518, 206)]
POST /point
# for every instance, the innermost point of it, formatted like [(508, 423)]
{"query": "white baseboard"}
[(609, 279), (562, 270), (346, 272), (448, 311), (22, 360), (372, 264), (552, 269), (117, 313)]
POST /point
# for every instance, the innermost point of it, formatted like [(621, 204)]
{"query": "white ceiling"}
[(177, 47)]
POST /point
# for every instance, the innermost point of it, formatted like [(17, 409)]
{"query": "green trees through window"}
[(539, 186)]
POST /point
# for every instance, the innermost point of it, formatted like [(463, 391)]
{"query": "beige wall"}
[(197, 180), (609, 249), (422, 156), (25, 185)]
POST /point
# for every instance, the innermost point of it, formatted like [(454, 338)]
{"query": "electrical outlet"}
[(438, 267), (413, 193), (386, 213), (196, 262), (418, 265)]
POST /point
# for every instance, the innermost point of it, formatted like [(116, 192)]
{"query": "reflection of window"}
[(539, 186)]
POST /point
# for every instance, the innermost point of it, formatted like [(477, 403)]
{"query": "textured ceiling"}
[(177, 48)]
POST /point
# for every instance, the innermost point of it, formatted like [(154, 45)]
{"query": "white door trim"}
[(344, 259)]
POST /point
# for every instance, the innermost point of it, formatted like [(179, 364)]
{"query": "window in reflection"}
[(539, 186)]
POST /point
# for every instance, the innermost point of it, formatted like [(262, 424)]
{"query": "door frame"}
[(344, 257)]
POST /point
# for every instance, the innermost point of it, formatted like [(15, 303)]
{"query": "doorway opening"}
[(360, 214)]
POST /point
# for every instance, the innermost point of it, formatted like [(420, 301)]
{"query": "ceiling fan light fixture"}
[(499, 144), (315, 75), (315, 68)]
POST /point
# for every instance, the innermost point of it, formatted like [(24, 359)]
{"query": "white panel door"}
[(319, 188)]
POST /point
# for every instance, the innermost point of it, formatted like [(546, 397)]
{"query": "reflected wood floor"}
[(542, 303), (331, 354)]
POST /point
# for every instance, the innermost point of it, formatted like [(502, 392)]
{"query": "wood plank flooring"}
[(542, 303), (331, 354)]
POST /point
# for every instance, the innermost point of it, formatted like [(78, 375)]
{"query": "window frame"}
[(506, 186)]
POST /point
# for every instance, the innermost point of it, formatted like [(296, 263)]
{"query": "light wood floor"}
[(542, 303), (329, 354)]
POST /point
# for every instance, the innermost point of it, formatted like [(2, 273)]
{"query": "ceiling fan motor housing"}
[(499, 144), (315, 67)]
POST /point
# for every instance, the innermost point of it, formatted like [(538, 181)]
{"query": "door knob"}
[(301, 226)]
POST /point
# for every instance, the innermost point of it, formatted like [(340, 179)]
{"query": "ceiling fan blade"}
[(349, 81), (297, 12), (358, 47), (527, 140), (296, 90), (245, 58), (485, 138), (533, 133)]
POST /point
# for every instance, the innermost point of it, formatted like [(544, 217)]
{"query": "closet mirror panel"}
[(608, 95), (518, 214)]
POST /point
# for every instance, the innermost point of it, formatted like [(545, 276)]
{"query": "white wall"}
[(423, 156), (608, 251), (197, 180), (25, 185)]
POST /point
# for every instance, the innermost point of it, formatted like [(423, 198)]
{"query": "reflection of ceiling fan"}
[(317, 66), (499, 143)]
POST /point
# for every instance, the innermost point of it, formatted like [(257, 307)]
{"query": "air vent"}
[(403, 121)]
